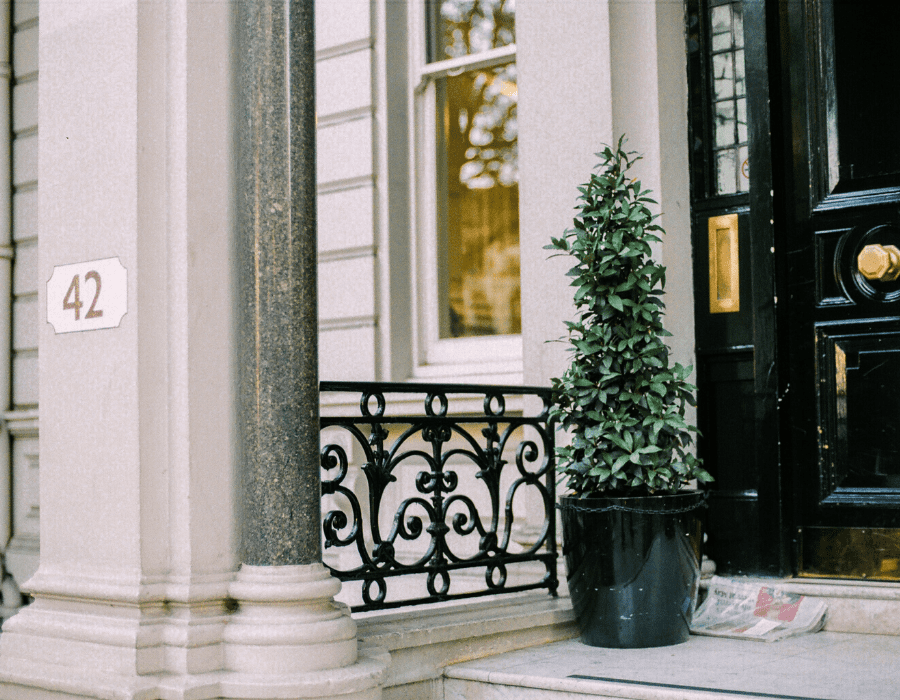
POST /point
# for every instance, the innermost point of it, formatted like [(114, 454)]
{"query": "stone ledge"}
[(423, 642)]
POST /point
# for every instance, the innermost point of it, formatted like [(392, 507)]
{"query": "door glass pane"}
[(723, 77), (479, 203), (742, 121), (466, 27), (871, 404), (859, 443), (867, 73), (729, 104), (725, 125)]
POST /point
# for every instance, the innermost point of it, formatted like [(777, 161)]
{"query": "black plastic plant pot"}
[(633, 567)]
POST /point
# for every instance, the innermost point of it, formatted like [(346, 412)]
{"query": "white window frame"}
[(491, 359)]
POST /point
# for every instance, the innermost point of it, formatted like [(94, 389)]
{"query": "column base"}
[(290, 639), (287, 639), (361, 681)]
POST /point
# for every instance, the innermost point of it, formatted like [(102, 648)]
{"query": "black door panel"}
[(843, 343)]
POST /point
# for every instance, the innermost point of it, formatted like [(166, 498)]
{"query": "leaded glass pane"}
[(729, 104), (743, 169), (721, 27), (725, 123), (726, 172), (723, 75), (743, 136)]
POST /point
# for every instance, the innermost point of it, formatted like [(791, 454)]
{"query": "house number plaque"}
[(87, 296)]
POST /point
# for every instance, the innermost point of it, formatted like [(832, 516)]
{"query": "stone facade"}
[(136, 568)]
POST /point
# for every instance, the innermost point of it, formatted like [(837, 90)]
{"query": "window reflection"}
[(466, 27), (477, 113)]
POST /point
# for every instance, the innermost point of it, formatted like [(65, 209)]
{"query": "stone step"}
[(590, 687), (822, 666), (423, 642)]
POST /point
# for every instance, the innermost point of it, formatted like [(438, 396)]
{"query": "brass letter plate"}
[(724, 269)]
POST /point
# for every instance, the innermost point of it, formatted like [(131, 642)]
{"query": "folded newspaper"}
[(745, 610)]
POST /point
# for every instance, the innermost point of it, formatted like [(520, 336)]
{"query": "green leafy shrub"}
[(620, 400)]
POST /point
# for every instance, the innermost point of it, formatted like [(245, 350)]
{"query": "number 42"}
[(72, 299)]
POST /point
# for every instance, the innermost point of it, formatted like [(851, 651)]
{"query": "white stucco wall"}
[(137, 419), (22, 551), (347, 202), (590, 72)]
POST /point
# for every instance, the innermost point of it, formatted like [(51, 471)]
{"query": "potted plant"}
[(631, 532)]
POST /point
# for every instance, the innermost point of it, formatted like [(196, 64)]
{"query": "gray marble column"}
[(278, 421)]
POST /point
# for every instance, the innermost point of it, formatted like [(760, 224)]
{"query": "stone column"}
[(288, 629), (551, 48), (278, 419)]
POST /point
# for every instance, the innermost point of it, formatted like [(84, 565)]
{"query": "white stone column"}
[(138, 469), (565, 113), (136, 458), (136, 505)]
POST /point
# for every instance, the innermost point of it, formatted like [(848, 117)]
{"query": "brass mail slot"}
[(724, 268)]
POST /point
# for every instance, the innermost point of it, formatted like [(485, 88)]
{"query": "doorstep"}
[(821, 666)]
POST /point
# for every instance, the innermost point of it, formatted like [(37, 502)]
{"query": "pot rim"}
[(568, 501)]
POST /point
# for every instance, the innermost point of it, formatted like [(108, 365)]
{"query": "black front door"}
[(841, 68), (796, 217)]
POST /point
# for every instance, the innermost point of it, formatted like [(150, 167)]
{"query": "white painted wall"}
[(565, 113), (649, 85), (590, 72), (348, 239), (21, 420), (136, 465)]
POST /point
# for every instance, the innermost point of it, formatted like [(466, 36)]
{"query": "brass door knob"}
[(879, 262)]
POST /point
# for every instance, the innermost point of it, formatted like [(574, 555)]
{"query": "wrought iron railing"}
[(436, 492)]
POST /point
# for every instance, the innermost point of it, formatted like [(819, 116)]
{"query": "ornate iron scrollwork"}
[(459, 516)]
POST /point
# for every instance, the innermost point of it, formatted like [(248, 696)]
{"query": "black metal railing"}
[(433, 492)]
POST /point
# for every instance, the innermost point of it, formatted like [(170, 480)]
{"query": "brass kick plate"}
[(724, 267), (871, 553)]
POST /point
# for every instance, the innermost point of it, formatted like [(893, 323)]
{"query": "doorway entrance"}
[(796, 230)]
